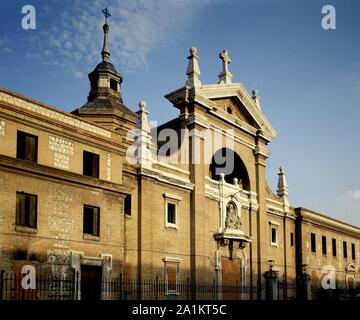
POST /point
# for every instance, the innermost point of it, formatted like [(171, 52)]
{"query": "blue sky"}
[(308, 77)]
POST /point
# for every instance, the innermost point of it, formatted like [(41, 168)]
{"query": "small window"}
[(273, 236), (323, 240), (113, 84), (345, 249), (292, 239), (353, 254), (313, 243), (334, 247), (91, 221), (26, 210), (229, 110), (171, 213), (127, 204), (171, 209), (27, 146), (91, 164)]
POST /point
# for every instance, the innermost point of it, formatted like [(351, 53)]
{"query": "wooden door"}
[(90, 282), (231, 279)]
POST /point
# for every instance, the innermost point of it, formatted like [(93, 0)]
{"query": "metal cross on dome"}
[(106, 14)]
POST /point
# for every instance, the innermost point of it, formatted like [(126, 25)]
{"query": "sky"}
[(308, 77)]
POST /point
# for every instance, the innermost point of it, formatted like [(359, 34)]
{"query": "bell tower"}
[(104, 104)]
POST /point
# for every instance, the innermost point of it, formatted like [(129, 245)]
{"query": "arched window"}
[(228, 162)]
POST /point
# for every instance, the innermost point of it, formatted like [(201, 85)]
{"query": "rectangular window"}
[(91, 164), (345, 249), (273, 236), (91, 221), (27, 146), (26, 210), (334, 247), (127, 204), (171, 213), (171, 210), (292, 239), (353, 254), (313, 243), (323, 240)]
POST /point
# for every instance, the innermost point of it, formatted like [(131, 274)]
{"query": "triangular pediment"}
[(233, 107), (244, 109)]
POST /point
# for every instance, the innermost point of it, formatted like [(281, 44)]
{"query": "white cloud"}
[(68, 45), (47, 53), (8, 50), (354, 194), (78, 75), (137, 28)]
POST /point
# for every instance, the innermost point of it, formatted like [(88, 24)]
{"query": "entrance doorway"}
[(231, 279), (90, 282)]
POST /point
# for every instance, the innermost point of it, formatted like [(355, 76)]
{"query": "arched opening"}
[(113, 84), (228, 162)]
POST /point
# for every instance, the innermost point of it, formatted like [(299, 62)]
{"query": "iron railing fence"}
[(286, 290), (336, 294), (68, 287), (156, 289), (13, 286)]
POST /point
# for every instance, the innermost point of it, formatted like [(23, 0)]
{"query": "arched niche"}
[(229, 162)]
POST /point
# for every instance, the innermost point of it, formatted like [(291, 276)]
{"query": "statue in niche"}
[(232, 220)]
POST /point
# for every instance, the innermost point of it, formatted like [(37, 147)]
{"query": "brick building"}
[(100, 192)]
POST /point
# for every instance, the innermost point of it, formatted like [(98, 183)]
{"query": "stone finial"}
[(222, 177), (142, 105), (193, 70), (282, 190), (142, 122), (256, 97), (143, 137), (235, 181), (282, 183), (225, 75)]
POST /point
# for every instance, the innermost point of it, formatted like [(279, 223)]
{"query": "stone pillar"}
[(262, 225), (304, 285), (197, 212), (75, 263), (271, 288), (106, 275)]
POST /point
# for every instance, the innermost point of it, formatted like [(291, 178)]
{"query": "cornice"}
[(36, 170), (65, 118), (166, 178)]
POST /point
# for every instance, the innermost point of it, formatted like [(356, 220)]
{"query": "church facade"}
[(100, 192)]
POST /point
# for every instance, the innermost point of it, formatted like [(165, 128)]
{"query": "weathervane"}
[(106, 14)]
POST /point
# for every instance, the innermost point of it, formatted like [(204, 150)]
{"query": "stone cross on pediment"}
[(225, 76), (224, 56)]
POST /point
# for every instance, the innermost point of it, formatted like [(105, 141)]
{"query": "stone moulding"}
[(52, 113), (50, 173)]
